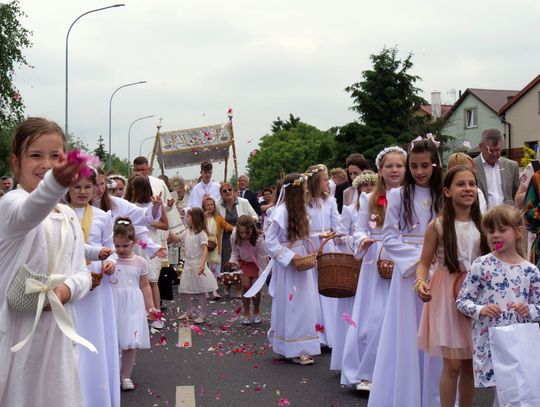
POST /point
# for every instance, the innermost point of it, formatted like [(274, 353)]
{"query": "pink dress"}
[(443, 330)]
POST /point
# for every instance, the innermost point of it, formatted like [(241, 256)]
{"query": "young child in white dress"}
[(196, 280), (294, 319), (34, 226), (502, 288), (132, 298), (323, 215), (361, 343), (100, 374)]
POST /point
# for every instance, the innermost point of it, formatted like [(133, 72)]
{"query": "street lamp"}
[(110, 114), (142, 142), (67, 39), (129, 139)]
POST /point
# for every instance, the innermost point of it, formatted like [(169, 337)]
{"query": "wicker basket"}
[(338, 272), (385, 267), (232, 278), (304, 263)]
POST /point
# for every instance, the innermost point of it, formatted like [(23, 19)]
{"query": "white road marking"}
[(184, 337), (185, 396)]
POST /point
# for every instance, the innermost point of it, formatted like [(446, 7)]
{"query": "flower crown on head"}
[(298, 181), (387, 150), (367, 177), (317, 169), (429, 137)]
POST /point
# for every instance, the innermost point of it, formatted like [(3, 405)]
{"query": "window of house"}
[(471, 118)]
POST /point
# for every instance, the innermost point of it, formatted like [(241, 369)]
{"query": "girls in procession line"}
[(393, 350)]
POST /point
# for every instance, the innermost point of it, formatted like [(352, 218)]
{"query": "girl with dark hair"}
[(443, 330), (410, 209), (139, 192), (248, 255), (295, 301)]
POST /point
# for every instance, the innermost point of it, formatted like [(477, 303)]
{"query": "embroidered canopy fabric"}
[(182, 148)]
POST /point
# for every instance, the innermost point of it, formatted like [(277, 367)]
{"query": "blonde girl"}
[(215, 224), (361, 344), (196, 280), (502, 288)]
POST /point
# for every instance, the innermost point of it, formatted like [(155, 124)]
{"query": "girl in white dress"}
[(100, 373), (345, 244), (324, 218), (294, 320), (30, 214), (132, 299), (196, 280), (403, 375), (361, 343)]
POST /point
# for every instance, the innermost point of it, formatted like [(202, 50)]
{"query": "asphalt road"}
[(228, 364)]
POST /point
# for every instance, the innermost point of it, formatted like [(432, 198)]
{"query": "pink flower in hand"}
[(143, 244), (78, 157)]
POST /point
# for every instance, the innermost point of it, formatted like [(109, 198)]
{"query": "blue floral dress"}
[(493, 281)]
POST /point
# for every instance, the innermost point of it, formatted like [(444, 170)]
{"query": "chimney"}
[(436, 104)]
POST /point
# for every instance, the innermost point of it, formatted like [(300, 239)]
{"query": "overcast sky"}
[(262, 59)]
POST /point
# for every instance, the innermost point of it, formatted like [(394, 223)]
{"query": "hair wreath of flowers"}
[(387, 150), (366, 177), (429, 137), (319, 168)]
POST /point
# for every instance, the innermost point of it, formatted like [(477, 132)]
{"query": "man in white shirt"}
[(498, 177), (205, 187)]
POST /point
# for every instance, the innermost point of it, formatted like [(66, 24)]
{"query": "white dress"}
[(344, 305), (129, 307), (361, 343), (403, 375), (322, 220), (191, 282), (24, 379), (152, 234), (100, 372), (295, 299)]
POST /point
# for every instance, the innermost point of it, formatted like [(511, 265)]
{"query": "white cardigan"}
[(243, 207)]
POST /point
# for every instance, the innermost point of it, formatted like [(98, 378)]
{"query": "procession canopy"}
[(183, 148)]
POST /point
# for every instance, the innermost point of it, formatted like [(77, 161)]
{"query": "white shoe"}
[(363, 386), (157, 324), (127, 384)]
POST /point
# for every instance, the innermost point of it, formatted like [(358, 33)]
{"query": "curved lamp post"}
[(142, 142), (129, 139), (110, 114), (67, 40)]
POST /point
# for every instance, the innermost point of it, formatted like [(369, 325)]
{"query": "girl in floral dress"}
[(502, 287)]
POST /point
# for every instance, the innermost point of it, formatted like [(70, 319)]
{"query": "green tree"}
[(287, 151), (386, 100), (279, 124), (100, 151), (14, 38), (75, 142)]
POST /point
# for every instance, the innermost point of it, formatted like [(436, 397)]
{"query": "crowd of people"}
[(443, 259)]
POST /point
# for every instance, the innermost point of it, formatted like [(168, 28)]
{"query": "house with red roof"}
[(475, 111), (521, 115)]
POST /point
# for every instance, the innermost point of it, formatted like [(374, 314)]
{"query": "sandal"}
[(246, 321), (303, 360), (257, 319)]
